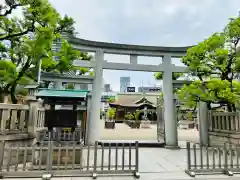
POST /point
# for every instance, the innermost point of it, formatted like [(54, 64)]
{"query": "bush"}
[(129, 116), (111, 113), (137, 114)]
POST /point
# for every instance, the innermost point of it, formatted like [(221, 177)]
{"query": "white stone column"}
[(58, 85), (203, 123), (89, 97), (171, 138), (94, 121)]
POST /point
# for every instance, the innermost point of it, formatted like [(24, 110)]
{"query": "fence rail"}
[(205, 160), (68, 159), (13, 118), (40, 118), (224, 121)]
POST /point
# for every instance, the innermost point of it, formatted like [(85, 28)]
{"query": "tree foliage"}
[(70, 86), (29, 37), (111, 113), (175, 76), (111, 100), (215, 64)]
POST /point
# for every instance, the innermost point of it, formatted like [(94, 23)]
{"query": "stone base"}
[(175, 147)]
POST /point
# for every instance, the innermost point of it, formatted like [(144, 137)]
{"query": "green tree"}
[(111, 113), (137, 115), (70, 86), (214, 63), (27, 38), (111, 100), (175, 76)]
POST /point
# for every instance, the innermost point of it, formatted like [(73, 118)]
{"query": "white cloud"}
[(149, 22)]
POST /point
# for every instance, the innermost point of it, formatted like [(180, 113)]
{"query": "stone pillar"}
[(58, 85), (32, 118), (94, 121), (160, 120), (89, 97), (171, 139), (203, 123)]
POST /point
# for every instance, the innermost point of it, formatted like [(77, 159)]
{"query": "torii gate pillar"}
[(171, 136), (94, 124)]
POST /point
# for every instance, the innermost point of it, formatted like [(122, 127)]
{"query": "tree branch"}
[(215, 108), (9, 36), (20, 75), (9, 11)]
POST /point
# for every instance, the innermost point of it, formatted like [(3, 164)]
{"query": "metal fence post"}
[(188, 156), (189, 165), (136, 173), (95, 160)]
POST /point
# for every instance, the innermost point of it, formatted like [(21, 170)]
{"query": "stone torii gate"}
[(98, 63)]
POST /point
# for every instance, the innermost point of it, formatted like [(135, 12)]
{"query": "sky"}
[(146, 22)]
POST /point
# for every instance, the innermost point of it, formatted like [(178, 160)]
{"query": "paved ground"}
[(159, 164), (155, 163), (123, 132), (155, 176)]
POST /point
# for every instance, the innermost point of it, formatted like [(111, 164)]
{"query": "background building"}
[(107, 88), (124, 83), (149, 89)]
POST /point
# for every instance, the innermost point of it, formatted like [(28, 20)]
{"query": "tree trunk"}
[(208, 105), (13, 95), (2, 97), (229, 107), (234, 108), (45, 84)]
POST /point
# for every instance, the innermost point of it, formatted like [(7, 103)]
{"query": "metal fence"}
[(211, 160), (68, 159)]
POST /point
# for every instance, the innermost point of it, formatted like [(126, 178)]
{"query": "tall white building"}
[(124, 83)]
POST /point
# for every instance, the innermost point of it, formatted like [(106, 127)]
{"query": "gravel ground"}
[(123, 132)]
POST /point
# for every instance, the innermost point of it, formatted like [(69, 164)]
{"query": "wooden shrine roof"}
[(133, 101)]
